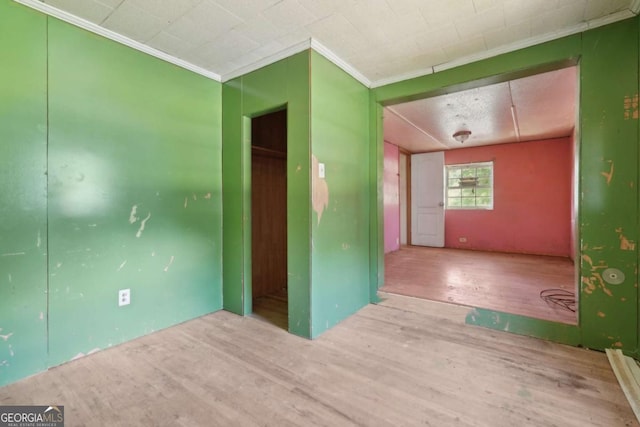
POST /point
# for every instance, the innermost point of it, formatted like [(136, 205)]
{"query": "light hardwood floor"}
[(403, 362), (510, 283)]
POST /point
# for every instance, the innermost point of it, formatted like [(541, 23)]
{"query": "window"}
[(470, 186)]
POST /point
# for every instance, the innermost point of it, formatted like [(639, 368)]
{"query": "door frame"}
[(411, 91)]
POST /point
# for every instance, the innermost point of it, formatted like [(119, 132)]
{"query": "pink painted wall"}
[(391, 198), (532, 200)]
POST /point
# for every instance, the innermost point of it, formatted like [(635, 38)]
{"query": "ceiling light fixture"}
[(461, 136)]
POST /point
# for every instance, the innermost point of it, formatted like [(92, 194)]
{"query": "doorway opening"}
[(489, 219), (269, 217)]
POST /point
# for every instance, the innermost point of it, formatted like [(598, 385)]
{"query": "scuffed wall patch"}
[(631, 107), (595, 281), (608, 175), (319, 190), (523, 325), (625, 244), (81, 354)]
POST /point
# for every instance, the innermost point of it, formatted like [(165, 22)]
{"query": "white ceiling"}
[(380, 40), (541, 106)]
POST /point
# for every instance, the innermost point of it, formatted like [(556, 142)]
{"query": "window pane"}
[(484, 171), (469, 172), (468, 192), (470, 186), (454, 202), (483, 201)]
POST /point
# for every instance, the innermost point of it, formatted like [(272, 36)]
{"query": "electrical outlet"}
[(462, 239), (124, 297)]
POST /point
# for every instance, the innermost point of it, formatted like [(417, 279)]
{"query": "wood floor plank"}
[(395, 364), (509, 283)]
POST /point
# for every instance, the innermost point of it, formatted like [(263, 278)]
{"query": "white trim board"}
[(512, 47), (297, 48), (346, 67), (323, 50), (627, 372), (267, 60), (111, 35)]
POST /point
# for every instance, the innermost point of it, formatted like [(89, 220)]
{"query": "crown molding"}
[(345, 66), (532, 41), (633, 10), (297, 48), (402, 77), (97, 29), (267, 60)]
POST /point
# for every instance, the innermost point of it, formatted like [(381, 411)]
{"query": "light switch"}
[(321, 170)]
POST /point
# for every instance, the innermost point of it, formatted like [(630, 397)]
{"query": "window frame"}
[(462, 166)]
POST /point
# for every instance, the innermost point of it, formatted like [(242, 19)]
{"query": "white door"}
[(427, 199)]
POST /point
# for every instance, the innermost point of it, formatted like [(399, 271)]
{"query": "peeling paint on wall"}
[(608, 175), (169, 265), (80, 355), (132, 216), (631, 107), (625, 244), (320, 190), (142, 225), (595, 281)]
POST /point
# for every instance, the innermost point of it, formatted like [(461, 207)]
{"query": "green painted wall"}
[(609, 185), (328, 220), (23, 166), (134, 200), (376, 200), (284, 83), (127, 130), (340, 201), (608, 170), (116, 129)]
